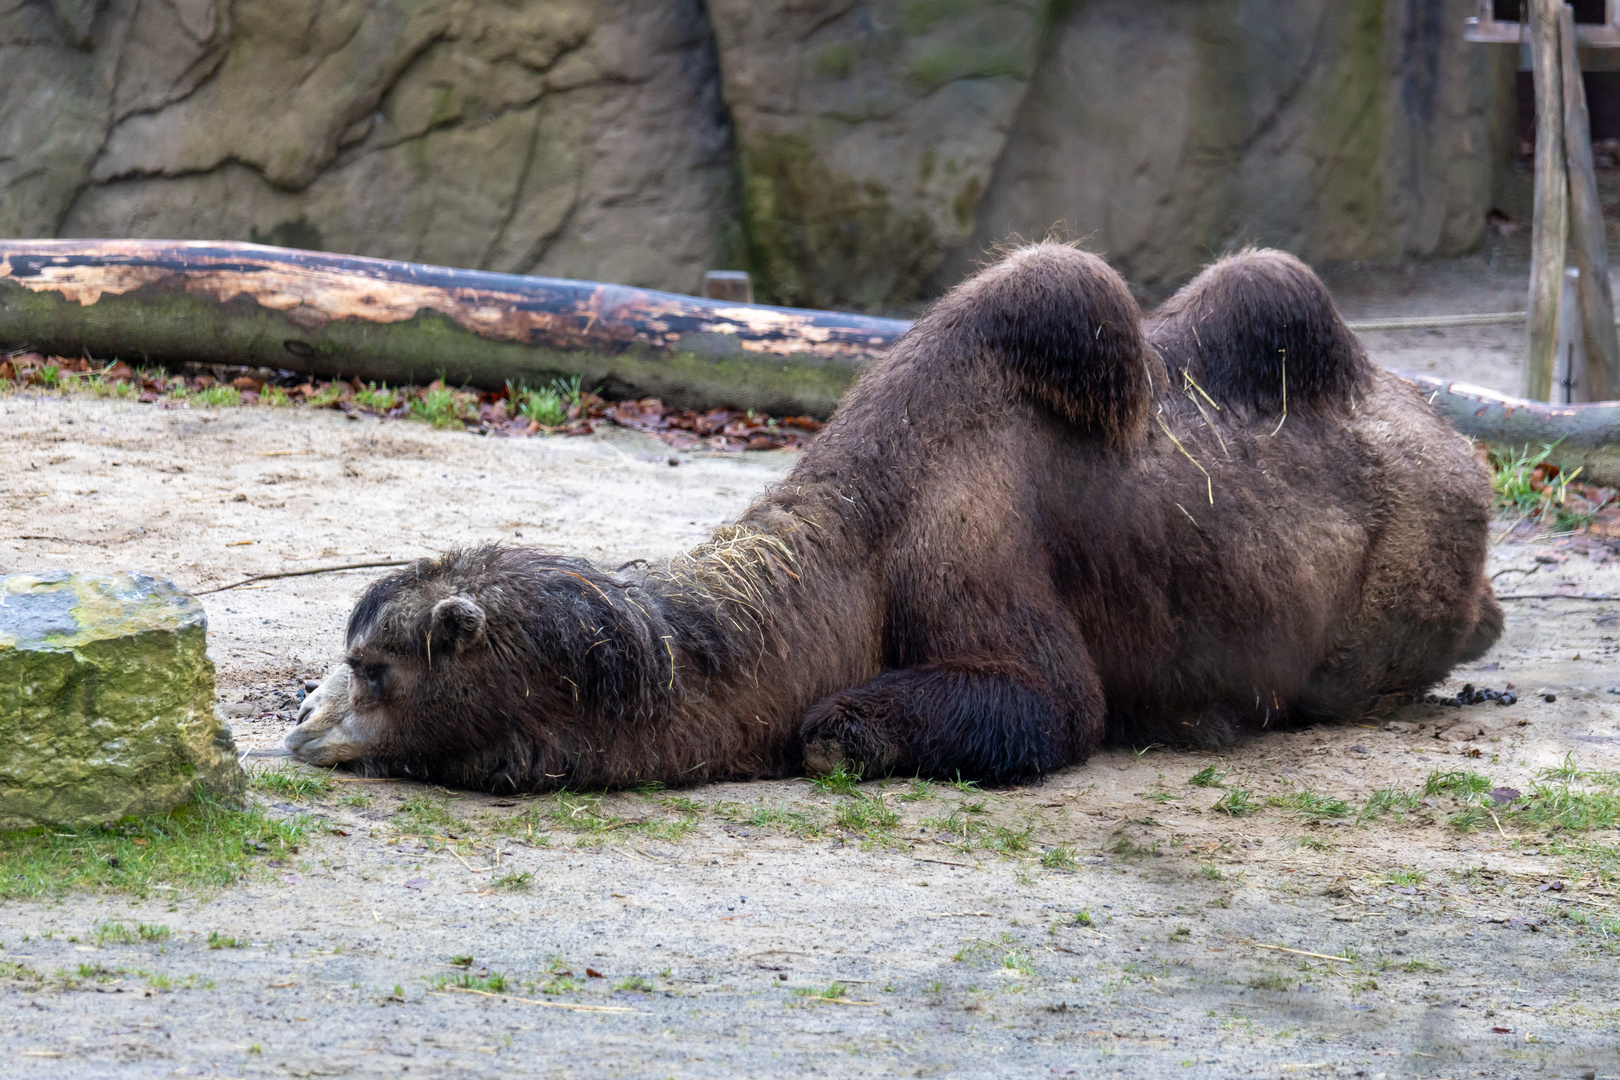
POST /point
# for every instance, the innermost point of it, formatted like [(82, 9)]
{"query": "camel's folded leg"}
[(969, 721)]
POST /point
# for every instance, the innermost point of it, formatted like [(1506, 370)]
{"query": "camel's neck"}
[(763, 620)]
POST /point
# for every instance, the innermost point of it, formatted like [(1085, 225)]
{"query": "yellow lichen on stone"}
[(106, 700)]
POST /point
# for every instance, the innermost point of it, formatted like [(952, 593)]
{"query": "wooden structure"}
[(1567, 223), (1504, 22)]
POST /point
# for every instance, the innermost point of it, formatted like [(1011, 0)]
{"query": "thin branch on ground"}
[(305, 573)]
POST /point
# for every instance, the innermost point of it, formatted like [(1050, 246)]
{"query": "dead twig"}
[(1300, 952), (532, 1001), (304, 573), (1605, 599)]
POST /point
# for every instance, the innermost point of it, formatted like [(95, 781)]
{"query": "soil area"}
[(1337, 901)]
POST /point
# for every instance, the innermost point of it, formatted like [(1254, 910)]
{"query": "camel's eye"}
[(374, 674)]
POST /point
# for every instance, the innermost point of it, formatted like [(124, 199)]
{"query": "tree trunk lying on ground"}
[(338, 315), (330, 315)]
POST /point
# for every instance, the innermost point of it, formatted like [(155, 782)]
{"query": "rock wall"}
[(851, 153), (581, 138), (1337, 129)]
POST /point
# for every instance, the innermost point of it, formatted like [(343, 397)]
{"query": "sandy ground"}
[(1479, 953)]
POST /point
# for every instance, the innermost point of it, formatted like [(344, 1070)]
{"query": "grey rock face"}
[(851, 153), (1163, 132), (106, 700), (867, 133), (574, 138)]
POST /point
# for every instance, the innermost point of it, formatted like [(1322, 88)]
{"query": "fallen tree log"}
[(339, 315), (156, 301), (1584, 436)]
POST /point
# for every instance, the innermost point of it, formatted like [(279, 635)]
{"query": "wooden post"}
[(1589, 242), (1550, 223)]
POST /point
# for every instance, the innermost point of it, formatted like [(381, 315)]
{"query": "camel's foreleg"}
[(985, 721)]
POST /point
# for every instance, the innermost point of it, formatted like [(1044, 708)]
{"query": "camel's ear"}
[(457, 624)]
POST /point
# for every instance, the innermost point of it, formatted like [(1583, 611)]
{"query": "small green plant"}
[(1236, 802), (216, 940), (1208, 776), (569, 390), (636, 983), (840, 781), (857, 813), (1564, 772), (834, 992), (1562, 806), (1406, 877), (377, 399), (49, 376), (1018, 962), (289, 781), (219, 397), (545, 407), (274, 396), (1210, 870), (327, 395), (1060, 857), (1384, 801), (424, 815), (123, 934), (442, 407), (1462, 784), (1311, 806), (1271, 982), (1181, 933), (514, 881), (492, 983), (1470, 818)]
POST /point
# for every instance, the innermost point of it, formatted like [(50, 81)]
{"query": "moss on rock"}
[(106, 700)]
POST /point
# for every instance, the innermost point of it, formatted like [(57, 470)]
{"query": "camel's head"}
[(468, 655)]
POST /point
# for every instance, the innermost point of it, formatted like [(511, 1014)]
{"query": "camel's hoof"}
[(824, 756)]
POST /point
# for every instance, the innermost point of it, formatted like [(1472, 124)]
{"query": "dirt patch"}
[(1340, 900)]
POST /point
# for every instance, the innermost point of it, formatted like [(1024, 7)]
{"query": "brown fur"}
[(999, 552)]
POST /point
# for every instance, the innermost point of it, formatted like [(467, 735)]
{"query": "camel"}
[(1039, 522)]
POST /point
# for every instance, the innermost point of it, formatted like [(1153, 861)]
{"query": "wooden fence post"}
[(1589, 242), (1550, 223)]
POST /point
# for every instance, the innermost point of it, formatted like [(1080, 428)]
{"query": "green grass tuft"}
[(1311, 806), (443, 407), (1059, 858), (1462, 784), (838, 782), (290, 781), (1236, 802), (204, 845), (1208, 776), (219, 397), (123, 934)]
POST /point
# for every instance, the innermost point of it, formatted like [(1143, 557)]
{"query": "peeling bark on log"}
[(333, 315), (336, 315)]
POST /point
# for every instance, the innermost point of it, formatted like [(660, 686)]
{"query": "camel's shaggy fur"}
[(1037, 522)]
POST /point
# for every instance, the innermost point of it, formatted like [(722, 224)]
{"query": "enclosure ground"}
[(1109, 920)]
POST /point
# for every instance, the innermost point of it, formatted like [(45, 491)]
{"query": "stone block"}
[(106, 700)]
